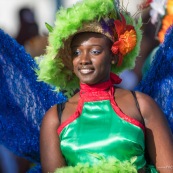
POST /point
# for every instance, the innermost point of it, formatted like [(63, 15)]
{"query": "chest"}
[(101, 128)]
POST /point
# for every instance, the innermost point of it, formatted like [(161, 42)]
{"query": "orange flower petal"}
[(169, 7), (128, 42), (126, 39), (166, 23)]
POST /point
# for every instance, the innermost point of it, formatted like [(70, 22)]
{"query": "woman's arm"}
[(159, 139), (51, 157)]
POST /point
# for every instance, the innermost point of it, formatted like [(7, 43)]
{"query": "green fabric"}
[(97, 132)]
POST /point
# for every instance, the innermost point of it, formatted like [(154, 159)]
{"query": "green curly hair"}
[(52, 68)]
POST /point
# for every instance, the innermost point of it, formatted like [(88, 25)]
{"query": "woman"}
[(101, 120)]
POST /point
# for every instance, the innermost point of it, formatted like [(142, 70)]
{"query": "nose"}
[(85, 59)]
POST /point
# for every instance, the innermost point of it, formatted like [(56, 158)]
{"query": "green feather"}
[(49, 27), (111, 165)]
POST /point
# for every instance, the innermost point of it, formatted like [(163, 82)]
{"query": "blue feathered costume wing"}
[(24, 101), (158, 81)]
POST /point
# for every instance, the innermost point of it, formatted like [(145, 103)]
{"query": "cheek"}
[(105, 61), (75, 62), (105, 65)]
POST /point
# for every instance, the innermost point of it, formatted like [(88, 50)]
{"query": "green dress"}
[(100, 128)]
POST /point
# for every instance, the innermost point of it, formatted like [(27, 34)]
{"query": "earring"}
[(113, 62), (115, 59)]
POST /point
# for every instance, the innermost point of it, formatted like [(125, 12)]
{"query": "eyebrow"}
[(73, 46)]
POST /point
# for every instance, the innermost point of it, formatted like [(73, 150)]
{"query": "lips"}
[(86, 70)]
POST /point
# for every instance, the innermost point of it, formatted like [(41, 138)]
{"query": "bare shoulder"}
[(127, 103), (70, 107), (144, 99), (148, 106), (127, 95), (51, 117), (153, 116)]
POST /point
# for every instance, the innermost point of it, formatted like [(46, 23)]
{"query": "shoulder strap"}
[(136, 101), (60, 108)]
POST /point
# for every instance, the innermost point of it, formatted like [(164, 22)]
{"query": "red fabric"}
[(145, 4), (114, 79)]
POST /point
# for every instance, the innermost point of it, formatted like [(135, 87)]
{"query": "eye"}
[(75, 52), (96, 52)]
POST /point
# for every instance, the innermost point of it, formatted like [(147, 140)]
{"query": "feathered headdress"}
[(100, 16)]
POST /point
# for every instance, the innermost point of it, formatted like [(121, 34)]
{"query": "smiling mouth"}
[(86, 71)]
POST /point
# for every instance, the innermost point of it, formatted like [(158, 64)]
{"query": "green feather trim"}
[(51, 68), (49, 27), (111, 165)]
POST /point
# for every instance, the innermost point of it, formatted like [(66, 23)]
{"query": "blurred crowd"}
[(28, 34)]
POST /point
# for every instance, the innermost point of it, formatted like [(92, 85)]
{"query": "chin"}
[(87, 80), (90, 82)]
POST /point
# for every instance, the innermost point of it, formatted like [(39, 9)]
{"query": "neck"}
[(95, 87), (114, 79)]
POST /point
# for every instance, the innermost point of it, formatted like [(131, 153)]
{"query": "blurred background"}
[(44, 11), (9, 11)]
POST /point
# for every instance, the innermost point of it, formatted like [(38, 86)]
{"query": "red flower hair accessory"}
[(145, 4), (127, 39)]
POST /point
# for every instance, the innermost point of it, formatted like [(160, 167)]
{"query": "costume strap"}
[(136, 101), (60, 108)]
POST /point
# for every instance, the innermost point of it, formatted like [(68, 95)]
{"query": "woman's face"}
[(91, 54)]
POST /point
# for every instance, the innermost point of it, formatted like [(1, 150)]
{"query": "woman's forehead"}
[(88, 36)]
